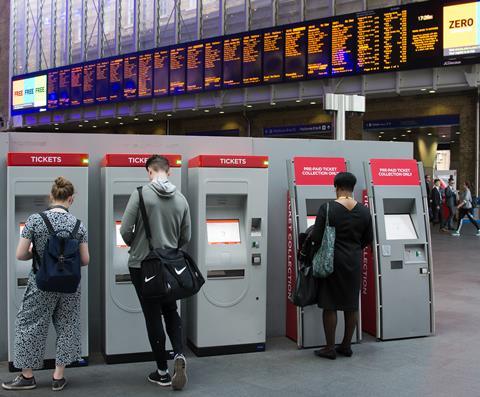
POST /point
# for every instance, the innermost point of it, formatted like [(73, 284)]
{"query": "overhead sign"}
[(461, 29), (29, 93), (229, 161), (317, 171), (412, 122), (394, 172), (47, 159), (319, 129), (137, 160)]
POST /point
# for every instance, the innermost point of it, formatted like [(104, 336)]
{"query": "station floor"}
[(447, 364)]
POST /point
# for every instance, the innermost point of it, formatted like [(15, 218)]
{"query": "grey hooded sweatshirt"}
[(169, 218)]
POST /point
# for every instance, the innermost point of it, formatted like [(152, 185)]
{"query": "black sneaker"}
[(20, 383), (59, 384), (179, 379), (161, 380)]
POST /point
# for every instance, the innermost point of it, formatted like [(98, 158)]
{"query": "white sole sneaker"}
[(179, 378)]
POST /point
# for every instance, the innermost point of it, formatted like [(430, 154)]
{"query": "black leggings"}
[(464, 212), (153, 310)]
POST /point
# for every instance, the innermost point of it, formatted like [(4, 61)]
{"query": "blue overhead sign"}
[(321, 129), (413, 122)]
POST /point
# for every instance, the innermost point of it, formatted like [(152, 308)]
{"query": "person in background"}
[(451, 201), (465, 207), (340, 290), (437, 201), (429, 195), (39, 307)]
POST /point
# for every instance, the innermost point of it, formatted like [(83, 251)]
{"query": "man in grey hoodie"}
[(169, 218)]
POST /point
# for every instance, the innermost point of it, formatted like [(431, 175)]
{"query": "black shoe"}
[(179, 379), (344, 351), (161, 380), (20, 383), (59, 384), (326, 353)]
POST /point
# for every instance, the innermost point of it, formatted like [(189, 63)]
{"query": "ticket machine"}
[(29, 181), (229, 202), (402, 260), (310, 184), (124, 332)]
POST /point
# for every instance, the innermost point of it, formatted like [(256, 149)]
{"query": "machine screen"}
[(311, 220), (119, 240), (400, 227), (22, 226), (223, 231)]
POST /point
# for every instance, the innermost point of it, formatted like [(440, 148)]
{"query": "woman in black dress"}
[(339, 291)]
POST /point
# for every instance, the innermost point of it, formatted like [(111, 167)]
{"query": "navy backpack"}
[(60, 269)]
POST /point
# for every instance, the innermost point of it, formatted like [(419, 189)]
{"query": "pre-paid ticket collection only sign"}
[(317, 171), (394, 172)]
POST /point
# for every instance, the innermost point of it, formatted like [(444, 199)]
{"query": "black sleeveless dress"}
[(340, 290)]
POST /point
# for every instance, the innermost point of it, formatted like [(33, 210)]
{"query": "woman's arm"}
[(24, 250), (84, 254)]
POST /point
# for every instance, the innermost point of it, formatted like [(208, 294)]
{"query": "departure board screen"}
[(101, 85), (160, 72), (232, 62), (76, 90), (130, 77), (145, 75), (177, 70), (273, 44), (295, 53), (89, 83), (116, 79), (343, 45), (369, 56), (195, 67), (318, 56), (64, 80), (52, 89), (395, 38), (252, 59), (213, 65)]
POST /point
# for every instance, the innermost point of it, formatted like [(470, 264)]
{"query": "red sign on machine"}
[(394, 172), (291, 319), (228, 161), (317, 171), (47, 160), (137, 160)]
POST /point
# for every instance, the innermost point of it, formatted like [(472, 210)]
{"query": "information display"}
[(119, 243), (404, 37), (223, 231), (399, 227)]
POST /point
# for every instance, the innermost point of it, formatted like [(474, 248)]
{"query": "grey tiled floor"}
[(445, 365)]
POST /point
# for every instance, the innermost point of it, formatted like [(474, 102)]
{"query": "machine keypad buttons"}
[(256, 259)]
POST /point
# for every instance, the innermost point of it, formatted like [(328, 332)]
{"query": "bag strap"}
[(47, 222), (146, 224), (76, 228), (327, 221)]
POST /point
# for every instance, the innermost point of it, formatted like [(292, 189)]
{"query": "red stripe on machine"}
[(47, 160), (394, 172), (228, 161), (137, 160), (317, 171)]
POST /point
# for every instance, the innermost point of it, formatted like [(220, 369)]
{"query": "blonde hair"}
[(62, 189)]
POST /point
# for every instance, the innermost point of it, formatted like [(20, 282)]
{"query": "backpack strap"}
[(146, 224), (76, 228), (47, 222)]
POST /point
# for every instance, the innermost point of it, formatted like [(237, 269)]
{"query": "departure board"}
[(395, 38), (213, 65), (76, 87), (318, 55), (195, 67), (343, 45), (369, 55), (177, 70), (64, 79), (89, 70), (116, 79), (52, 89), (101, 84), (273, 44), (130, 77), (252, 59), (232, 62), (160, 72), (295, 53), (145, 75)]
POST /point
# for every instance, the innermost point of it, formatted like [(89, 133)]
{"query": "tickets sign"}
[(317, 171), (229, 161), (394, 172), (47, 159), (138, 160)]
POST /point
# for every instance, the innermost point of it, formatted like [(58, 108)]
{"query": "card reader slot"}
[(22, 282), (227, 273), (123, 278)]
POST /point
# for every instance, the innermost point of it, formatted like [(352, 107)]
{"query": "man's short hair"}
[(158, 163), (345, 181), (436, 180)]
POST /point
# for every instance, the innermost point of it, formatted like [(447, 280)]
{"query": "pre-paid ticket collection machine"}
[(29, 181), (402, 264), (310, 184), (124, 333), (229, 204)]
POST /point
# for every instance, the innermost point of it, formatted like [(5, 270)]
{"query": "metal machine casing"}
[(29, 180)]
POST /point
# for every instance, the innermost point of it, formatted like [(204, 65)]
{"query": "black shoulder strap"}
[(47, 222), (146, 224), (76, 228)]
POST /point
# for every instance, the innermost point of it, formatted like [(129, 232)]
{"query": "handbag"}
[(324, 257), (305, 293), (167, 274)]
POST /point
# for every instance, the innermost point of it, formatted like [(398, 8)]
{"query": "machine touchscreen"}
[(119, 240), (400, 227), (311, 220), (21, 227), (223, 231)]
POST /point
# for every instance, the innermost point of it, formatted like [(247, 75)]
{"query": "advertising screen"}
[(29, 93), (223, 231), (461, 29), (119, 243), (400, 227)]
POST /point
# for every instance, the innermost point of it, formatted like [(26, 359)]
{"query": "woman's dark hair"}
[(468, 185), (157, 163), (345, 181)]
